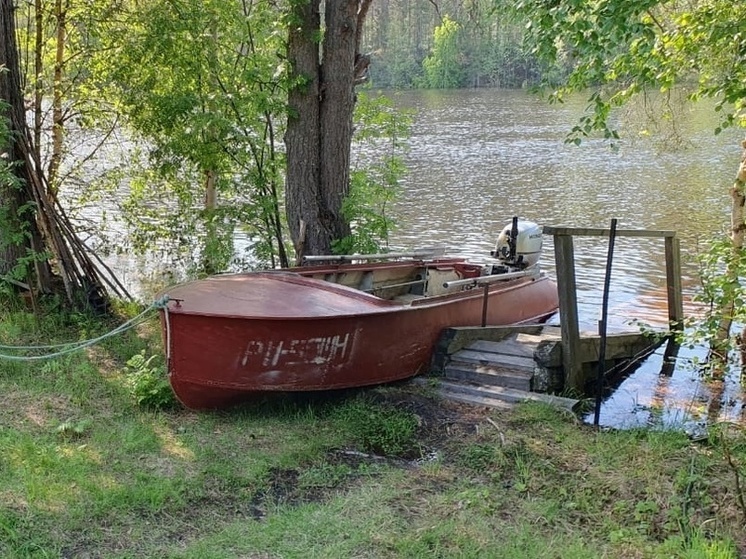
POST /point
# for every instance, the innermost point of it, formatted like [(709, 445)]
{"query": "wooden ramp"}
[(500, 373), (499, 366)]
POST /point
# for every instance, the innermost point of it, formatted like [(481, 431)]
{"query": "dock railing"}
[(564, 257)]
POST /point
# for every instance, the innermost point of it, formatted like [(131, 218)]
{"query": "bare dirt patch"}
[(439, 420)]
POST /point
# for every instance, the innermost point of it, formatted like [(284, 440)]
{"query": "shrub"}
[(148, 383)]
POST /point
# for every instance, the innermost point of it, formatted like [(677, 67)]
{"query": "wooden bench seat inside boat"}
[(401, 283)]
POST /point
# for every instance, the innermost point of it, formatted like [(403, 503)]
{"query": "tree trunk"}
[(38, 73), (319, 131), (58, 119), (13, 195), (337, 104), (720, 344), (302, 135)]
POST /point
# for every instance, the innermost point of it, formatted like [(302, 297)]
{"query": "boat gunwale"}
[(380, 306), (289, 274)]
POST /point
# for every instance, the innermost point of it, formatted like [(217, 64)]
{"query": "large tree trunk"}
[(14, 195), (337, 104), (319, 131), (302, 135)]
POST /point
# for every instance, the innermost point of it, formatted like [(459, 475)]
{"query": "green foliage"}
[(203, 93), (324, 475), (719, 269), (380, 136), (397, 67), (74, 429), (488, 53), (377, 427), (7, 177), (480, 457), (698, 546), (122, 481), (444, 68), (148, 383), (712, 265), (729, 444), (71, 83), (14, 221), (620, 49)]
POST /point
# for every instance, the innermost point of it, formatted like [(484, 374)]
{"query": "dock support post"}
[(564, 257), (673, 284)]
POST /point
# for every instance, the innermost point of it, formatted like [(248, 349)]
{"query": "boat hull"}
[(216, 360)]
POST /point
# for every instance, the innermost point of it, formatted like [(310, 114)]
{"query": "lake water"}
[(479, 157), (476, 158)]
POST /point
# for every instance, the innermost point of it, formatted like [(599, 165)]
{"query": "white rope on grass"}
[(167, 320), (71, 347)]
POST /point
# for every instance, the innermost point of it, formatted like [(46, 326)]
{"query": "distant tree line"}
[(451, 44)]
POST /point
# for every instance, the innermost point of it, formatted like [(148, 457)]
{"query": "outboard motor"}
[(518, 246)]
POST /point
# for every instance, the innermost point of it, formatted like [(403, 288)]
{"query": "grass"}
[(86, 472)]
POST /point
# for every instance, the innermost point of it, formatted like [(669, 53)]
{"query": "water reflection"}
[(479, 157), (657, 396)]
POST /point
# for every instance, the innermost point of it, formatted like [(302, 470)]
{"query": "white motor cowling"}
[(519, 244)]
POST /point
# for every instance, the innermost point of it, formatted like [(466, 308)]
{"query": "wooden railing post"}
[(564, 257), (568, 303), (673, 284)]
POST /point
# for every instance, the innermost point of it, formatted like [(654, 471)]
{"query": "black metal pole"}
[(513, 241), (603, 323), (669, 356), (485, 303)]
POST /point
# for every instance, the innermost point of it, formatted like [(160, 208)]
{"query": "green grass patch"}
[(377, 427), (86, 471)]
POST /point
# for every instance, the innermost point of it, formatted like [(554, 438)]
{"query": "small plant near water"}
[(147, 383), (377, 427)]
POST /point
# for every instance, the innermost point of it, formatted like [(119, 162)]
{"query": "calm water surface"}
[(477, 158)]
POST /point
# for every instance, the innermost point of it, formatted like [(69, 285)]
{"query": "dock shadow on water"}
[(669, 390)]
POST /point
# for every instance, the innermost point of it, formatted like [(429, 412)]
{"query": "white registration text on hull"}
[(319, 351)]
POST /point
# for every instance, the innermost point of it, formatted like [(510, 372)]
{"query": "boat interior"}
[(401, 281)]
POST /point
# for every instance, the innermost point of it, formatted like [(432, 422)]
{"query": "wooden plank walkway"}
[(499, 366), (498, 373)]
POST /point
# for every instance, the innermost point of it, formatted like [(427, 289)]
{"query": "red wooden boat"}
[(334, 325)]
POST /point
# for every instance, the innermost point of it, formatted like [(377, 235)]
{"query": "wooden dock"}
[(564, 258), (500, 366)]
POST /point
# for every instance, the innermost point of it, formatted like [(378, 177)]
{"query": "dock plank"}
[(499, 359), (477, 400), (494, 396), (510, 395), (509, 346), (492, 376), (535, 339)]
